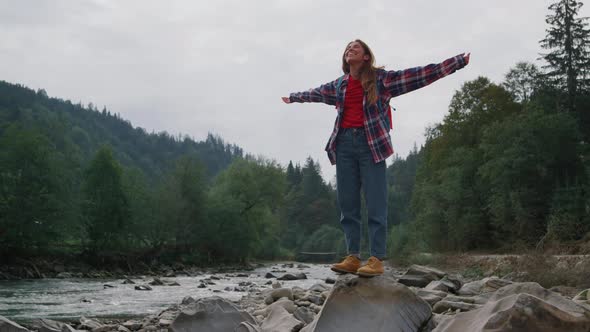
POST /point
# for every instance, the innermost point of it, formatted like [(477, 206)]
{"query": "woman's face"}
[(355, 53)]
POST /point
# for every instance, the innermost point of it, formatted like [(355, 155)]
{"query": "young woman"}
[(360, 142)]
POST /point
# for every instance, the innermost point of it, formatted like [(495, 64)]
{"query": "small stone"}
[(143, 287), (156, 282)]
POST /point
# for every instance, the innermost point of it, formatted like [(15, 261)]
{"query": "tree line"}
[(508, 166)]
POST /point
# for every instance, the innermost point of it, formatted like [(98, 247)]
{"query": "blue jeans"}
[(355, 168)]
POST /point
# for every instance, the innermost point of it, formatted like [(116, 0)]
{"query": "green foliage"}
[(31, 192), (106, 206), (325, 239), (243, 205)]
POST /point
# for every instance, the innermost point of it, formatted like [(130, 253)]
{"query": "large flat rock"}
[(371, 304), (522, 307)]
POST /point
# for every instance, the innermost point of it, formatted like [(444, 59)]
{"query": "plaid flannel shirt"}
[(389, 84)]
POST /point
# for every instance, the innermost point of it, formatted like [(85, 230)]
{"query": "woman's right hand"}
[(286, 100)]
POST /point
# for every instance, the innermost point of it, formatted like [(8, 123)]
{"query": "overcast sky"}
[(194, 67)]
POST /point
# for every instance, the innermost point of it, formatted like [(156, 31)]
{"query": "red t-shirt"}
[(353, 105)]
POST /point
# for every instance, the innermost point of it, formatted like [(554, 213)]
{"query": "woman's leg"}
[(348, 188), (374, 182)]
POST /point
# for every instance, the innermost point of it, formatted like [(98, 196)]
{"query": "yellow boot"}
[(374, 267), (349, 265)]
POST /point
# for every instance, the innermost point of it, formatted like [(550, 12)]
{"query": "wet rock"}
[(287, 276), (156, 282), (215, 278), (143, 287), (242, 275), (105, 286), (370, 304), (269, 275), (128, 281), (174, 283), (302, 266), (187, 300), (522, 307), (277, 285), (330, 281), (212, 314), (202, 285), (280, 320)]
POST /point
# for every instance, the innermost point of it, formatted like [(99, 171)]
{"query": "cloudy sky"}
[(194, 67)]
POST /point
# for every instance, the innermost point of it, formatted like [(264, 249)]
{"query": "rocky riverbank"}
[(418, 299), (47, 268)]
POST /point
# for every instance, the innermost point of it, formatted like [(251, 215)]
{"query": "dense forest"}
[(507, 169)]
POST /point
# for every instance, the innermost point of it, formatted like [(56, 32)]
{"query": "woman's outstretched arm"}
[(326, 94), (398, 82)]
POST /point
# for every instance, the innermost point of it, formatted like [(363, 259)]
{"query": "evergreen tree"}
[(568, 40)]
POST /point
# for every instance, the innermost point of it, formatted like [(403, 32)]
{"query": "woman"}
[(360, 142)]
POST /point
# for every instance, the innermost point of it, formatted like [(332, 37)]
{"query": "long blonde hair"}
[(368, 71)]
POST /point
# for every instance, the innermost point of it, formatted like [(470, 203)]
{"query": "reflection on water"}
[(71, 298)]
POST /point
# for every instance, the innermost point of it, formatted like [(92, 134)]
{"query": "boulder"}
[(304, 314), (47, 325), (446, 305), (7, 325), (522, 307), (156, 282), (143, 287), (281, 320), (212, 314), (486, 285), (89, 324), (417, 280), (370, 304), (287, 276), (283, 302)]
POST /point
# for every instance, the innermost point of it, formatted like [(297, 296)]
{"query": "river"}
[(68, 299)]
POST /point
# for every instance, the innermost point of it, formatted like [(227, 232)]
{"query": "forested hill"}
[(78, 132)]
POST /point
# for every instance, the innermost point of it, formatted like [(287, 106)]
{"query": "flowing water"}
[(24, 300)]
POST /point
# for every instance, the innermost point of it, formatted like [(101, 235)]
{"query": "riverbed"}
[(69, 299)]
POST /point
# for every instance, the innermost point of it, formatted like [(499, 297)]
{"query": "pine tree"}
[(568, 39)]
